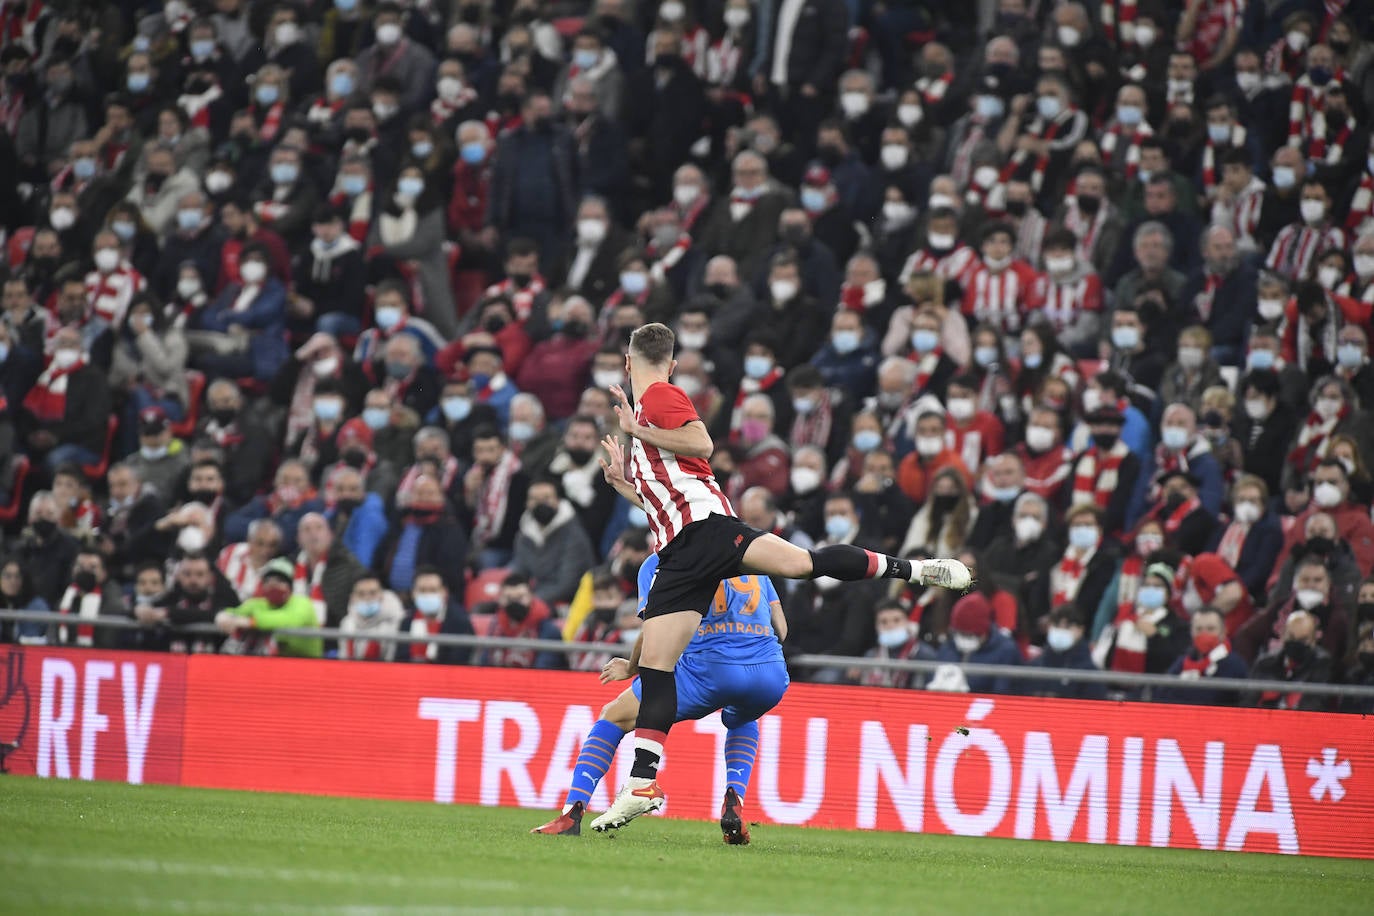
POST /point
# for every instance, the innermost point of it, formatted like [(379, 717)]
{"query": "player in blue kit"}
[(734, 664)]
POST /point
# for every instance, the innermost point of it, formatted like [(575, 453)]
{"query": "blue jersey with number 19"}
[(738, 627)]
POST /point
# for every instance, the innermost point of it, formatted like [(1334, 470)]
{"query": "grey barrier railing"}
[(1020, 673)]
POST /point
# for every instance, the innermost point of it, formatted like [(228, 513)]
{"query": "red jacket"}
[(278, 258), (555, 371), (766, 465), (980, 438), (467, 209)]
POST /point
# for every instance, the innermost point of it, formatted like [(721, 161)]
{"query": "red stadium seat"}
[(10, 512), (97, 470), (195, 390), (485, 586)]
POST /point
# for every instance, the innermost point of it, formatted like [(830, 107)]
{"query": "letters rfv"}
[(59, 713), (1047, 792)]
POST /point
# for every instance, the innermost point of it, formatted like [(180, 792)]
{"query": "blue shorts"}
[(742, 693)]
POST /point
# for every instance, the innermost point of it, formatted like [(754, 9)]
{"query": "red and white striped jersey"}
[(1242, 214), (1298, 245), (675, 490), (956, 265), (237, 566), (1000, 299), (1063, 303)]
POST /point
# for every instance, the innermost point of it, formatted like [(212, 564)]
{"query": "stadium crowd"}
[(310, 309)]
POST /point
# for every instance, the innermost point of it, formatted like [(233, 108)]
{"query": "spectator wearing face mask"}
[(1264, 426), (1065, 647), (1084, 571), (552, 549), (1146, 635), (1299, 660), (519, 614), (64, 414), (823, 414), (372, 611), (436, 612), (898, 639), (1252, 538), (426, 534), (242, 333), (973, 638), (805, 498), (1208, 656), (602, 624), (944, 522), (932, 454), (89, 593), (1105, 475), (1319, 540), (1313, 594), (1020, 556), (250, 626), (395, 56)]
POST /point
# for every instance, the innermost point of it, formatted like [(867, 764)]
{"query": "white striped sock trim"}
[(649, 745)]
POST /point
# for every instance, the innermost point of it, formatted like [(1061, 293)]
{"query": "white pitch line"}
[(162, 867)]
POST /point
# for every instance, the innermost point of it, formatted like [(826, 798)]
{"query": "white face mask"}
[(188, 287), (1308, 598), (591, 231), (1313, 211), (65, 359), (985, 176), (686, 194), (854, 104), (1256, 408), (252, 271), (1328, 276), (1084, 537), (1028, 528), (894, 156), (449, 87), (323, 368), (218, 182), (106, 260), (1144, 35), (62, 218), (1364, 266), (961, 408), (388, 33), (1328, 407), (605, 378), (1247, 513), (1327, 495), (1270, 309), (1190, 357), (966, 643), (929, 446), (1060, 639), (782, 290), (894, 639), (1059, 265), (940, 241), (805, 480), (910, 115), (1068, 36), (1039, 438)]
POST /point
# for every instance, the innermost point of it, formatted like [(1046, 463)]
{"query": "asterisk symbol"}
[(1328, 774)]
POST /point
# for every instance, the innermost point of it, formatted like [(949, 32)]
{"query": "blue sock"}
[(595, 759), (741, 750)]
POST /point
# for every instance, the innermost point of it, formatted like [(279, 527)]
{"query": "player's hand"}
[(623, 411), (617, 669), (613, 466)]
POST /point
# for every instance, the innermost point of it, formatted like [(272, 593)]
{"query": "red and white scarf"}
[(1176, 517), (197, 107), (813, 428), (1124, 158), (934, 88), (1096, 477), (1128, 643), (1232, 542), (1361, 205), (270, 120), (1309, 347), (1085, 229), (109, 294), (440, 111), (1205, 666), (1067, 575), (1242, 214), (1306, 103), (1323, 147), (512, 658), (47, 399), (425, 625), (309, 581), (1281, 59), (1118, 19), (955, 265), (1209, 158), (1041, 129), (85, 607), (926, 364), (491, 500), (1063, 303), (448, 471), (748, 386), (1315, 438), (522, 299)]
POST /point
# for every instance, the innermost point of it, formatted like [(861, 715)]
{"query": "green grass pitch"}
[(69, 847)]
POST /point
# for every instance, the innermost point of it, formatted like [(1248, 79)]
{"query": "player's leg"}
[(770, 555), (594, 761), (665, 636), (753, 691)]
